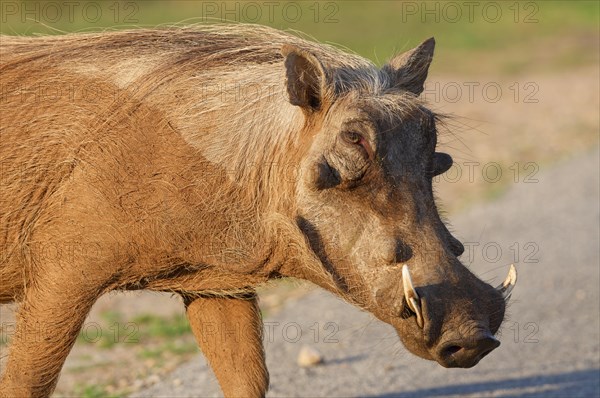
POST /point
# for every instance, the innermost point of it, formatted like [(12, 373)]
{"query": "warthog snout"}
[(453, 324)]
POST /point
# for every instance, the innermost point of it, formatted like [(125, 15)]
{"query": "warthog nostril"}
[(450, 350), (467, 352)]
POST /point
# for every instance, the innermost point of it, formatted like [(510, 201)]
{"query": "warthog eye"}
[(352, 137)]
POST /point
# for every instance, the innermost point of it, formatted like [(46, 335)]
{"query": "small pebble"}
[(309, 356)]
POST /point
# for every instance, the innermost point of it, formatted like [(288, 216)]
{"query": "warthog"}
[(207, 160)]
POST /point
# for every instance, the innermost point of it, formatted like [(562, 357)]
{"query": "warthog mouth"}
[(454, 350), (413, 301)]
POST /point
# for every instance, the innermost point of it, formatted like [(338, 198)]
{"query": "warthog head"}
[(367, 207)]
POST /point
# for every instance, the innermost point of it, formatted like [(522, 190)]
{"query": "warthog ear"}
[(305, 78), (409, 69)]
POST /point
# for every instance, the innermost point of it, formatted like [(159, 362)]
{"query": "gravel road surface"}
[(550, 341)]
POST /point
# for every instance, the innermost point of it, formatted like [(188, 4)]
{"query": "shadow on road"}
[(584, 383)]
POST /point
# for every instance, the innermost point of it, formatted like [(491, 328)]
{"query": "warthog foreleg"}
[(229, 332), (48, 322)]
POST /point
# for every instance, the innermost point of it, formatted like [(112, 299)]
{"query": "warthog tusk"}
[(509, 283), (411, 296)]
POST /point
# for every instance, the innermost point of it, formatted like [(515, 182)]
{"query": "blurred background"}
[(520, 80)]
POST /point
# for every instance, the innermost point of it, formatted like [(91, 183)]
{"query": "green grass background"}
[(526, 36)]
